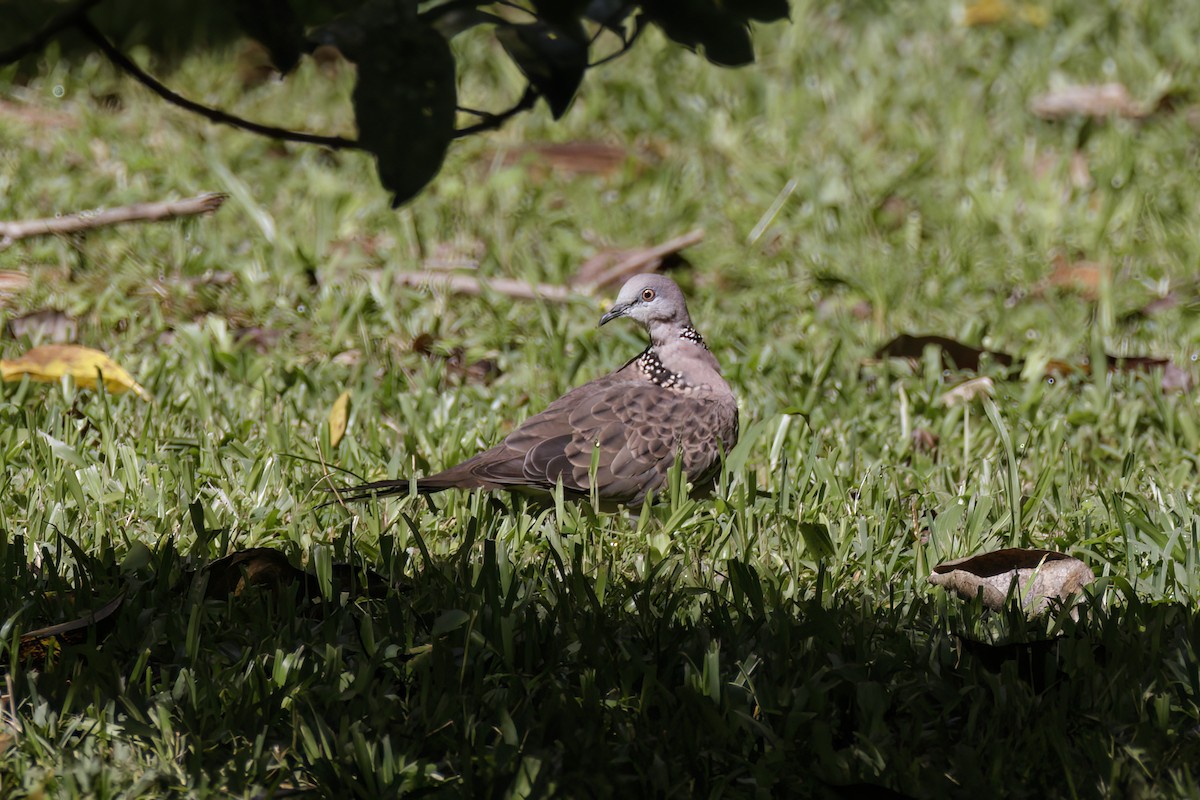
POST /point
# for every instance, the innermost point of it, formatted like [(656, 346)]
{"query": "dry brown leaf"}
[(578, 158), (1174, 377), (339, 418), (49, 363), (954, 353), (1082, 276), (263, 340), (966, 357), (237, 572), (612, 267), (482, 370), (1041, 576), (35, 116), (924, 440), (1088, 100)]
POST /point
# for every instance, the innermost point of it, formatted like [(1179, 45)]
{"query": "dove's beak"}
[(617, 310)]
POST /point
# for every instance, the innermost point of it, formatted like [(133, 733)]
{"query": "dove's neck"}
[(678, 359), (669, 334)]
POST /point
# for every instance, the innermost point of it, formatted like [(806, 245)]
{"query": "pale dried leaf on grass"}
[(968, 391), (1089, 100), (48, 325), (50, 363), (1041, 577)]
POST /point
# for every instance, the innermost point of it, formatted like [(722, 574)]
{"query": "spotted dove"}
[(670, 401)]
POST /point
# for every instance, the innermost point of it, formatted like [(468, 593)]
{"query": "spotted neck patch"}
[(690, 334), (652, 367)]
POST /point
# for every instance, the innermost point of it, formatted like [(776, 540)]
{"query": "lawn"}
[(879, 171)]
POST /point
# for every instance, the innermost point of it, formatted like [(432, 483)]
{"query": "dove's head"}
[(653, 300)]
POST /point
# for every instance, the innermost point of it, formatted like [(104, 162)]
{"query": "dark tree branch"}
[(638, 27), (68, 19), (127, 65), (76, 17), (491, 122)]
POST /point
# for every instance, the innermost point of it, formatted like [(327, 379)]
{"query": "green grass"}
[(717, 648)]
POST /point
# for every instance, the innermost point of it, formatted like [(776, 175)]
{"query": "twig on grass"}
[(647, 259), (469, 284), (139, 212)]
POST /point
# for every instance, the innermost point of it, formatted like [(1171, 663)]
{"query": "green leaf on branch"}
[(763, 10), (450, 20), (275, 25), (406, 93), (722, 33), (610, 13), (552, 57)]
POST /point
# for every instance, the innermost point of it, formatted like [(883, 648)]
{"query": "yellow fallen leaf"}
[(986, 12), (49, 363), (993, 12), (339, 417)]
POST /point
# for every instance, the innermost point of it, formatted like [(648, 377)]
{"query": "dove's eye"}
[(647, 295)]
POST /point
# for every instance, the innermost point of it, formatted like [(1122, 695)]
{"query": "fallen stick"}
[(643, 260), (469, 284), (86, 220)]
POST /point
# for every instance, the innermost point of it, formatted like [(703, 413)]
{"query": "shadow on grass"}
[(480, 676)]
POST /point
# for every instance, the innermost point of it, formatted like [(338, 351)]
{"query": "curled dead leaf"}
[(49, 363), (611, 267), (1040, 576), (258, 566), (35, 646)]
